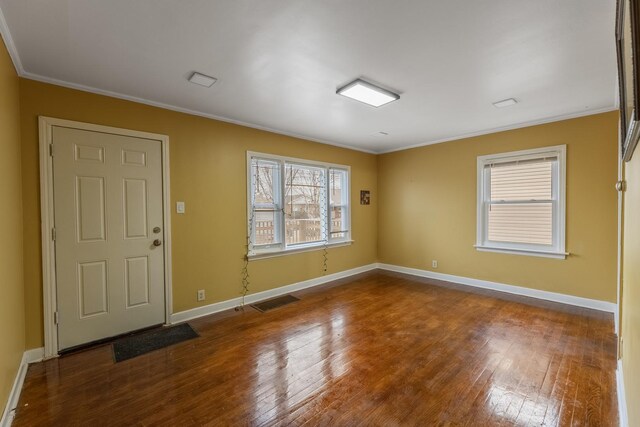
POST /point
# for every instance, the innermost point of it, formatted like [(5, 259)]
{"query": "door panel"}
[(90, 209), (137, 281), (108, 199), (135, 208), (92, 288)]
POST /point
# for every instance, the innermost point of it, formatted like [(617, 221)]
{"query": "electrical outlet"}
[(201, 295), (434, 263)]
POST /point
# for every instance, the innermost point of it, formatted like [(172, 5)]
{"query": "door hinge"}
[(51, 150), (53, 234), (55, 317)]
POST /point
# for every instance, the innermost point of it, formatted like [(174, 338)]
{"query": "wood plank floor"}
[(381, 349)]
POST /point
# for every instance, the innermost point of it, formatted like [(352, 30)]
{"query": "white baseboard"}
[(511, 289), (194, 313), (37, 355), (29, 356), (34, 355), (622, 400), (206, 310)]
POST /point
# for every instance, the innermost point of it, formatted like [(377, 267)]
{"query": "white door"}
[(108, 226)]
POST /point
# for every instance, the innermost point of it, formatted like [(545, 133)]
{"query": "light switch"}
[(180, 207)]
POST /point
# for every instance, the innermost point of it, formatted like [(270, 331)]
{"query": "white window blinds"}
[(521, 205), (521, 202)]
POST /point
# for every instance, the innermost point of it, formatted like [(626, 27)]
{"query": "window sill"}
[(291, 251), (529, 252)]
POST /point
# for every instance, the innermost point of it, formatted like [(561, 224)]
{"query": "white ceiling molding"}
[(15, 58), (11, 47), (445, 98), (506, 128), (97, 91)]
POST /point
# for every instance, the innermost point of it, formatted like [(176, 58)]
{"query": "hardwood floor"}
[(381, 349)]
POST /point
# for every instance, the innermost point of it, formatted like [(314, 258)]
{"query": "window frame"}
[(559, 179), (282, 248), (270, 207), (344, 205)]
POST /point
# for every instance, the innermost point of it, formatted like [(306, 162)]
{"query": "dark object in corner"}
[(270, 304), (136, 345)]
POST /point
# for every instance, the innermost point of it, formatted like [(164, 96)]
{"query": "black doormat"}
[(135, 345), (270, 304)]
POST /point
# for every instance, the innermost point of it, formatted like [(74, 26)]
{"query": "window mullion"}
[(281, 203), (326, 232)]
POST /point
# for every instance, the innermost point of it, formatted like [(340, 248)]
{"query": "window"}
[(296, 205), (521, 202)]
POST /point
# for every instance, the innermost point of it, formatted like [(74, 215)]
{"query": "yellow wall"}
[(11, 284), (428, 209), (631, 290), (208, 161)]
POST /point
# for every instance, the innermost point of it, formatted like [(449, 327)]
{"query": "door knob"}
[(157, 242)]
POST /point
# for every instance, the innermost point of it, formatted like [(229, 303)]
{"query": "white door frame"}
[(49, 285)]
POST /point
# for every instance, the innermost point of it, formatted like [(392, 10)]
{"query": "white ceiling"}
[(279, 62)]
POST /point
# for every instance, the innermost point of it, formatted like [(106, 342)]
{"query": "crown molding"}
[(111, 94), (11, 46), (520, 125), (13, 52)]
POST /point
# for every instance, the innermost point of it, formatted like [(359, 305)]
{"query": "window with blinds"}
[(521, 201)]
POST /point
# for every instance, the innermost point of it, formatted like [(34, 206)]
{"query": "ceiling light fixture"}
[(368, 93), (202, 80), (505, 103)]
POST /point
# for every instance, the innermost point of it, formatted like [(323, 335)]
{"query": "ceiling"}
[(279, 62)]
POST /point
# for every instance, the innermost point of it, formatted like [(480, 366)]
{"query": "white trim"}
[(34, 355), (206, 310), (11, 46), (46, 125), (559, 198), (117, 95), (282, 248), (609, 307), (49, 299), (90, 89), (29, 356), (529, 123), (14, 396), (530, 252), (622, 397), (13, 52), (166, 215), (616, 323), (620, 234), (291, 251), (297, 160), (551, 119)]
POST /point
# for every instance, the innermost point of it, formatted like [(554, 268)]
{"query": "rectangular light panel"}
[(505, 103), (368, 93), (202, 80)]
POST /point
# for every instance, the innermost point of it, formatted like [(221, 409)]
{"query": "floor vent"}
[(270, 304)]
